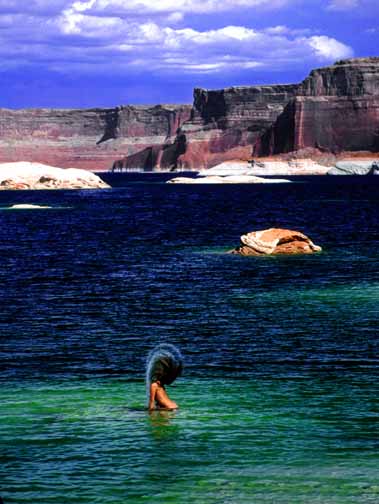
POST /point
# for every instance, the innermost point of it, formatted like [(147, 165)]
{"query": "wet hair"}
[(164, 364), (166, 370)]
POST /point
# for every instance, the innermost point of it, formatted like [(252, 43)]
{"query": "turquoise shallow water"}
[(279, 396), (269, 440)]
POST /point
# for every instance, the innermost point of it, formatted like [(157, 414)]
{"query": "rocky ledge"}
[(25, 175), (275, 241)]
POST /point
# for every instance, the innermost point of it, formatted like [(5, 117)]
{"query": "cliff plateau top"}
[(371, 60)]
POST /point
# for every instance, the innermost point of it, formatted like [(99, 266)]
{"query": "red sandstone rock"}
[(275, 241), (335, 109), (225, 123), (90, 139)]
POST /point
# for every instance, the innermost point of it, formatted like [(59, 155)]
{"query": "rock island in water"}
[(25, 175)]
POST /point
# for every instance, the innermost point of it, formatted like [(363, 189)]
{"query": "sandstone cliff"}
[(226, 123), (90, 139), (223, 125), (335, 109)]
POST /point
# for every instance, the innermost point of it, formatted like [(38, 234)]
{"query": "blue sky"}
[(63, 53)]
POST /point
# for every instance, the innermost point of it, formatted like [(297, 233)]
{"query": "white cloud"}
[(327, 48), (83, 6), (341, 5), (38, 7), (73, 23), (228, 48), (173, 6), (99, 36), (285, 30), (175, 17), (132, 7)]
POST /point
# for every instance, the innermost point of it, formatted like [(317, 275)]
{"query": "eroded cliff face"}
[(90, 139), (335, 109), (226, 123)]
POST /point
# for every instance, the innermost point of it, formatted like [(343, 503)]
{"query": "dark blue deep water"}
[(279, 396)]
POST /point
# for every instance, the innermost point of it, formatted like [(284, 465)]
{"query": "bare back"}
[(159, 398)]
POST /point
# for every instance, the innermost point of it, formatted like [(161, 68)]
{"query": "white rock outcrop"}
[(27, 206), (355, 167), (231, 179), (293, 167), (269, 168), (228, 168), (26, 175)]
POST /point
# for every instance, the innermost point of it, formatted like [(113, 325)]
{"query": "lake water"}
[(279, 395)]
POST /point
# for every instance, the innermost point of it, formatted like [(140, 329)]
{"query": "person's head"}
[(165, 370)]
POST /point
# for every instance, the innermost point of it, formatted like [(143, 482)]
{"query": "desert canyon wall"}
[(335, 109), (91, 139)]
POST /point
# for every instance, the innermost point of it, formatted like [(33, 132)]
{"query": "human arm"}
[(153, 393)]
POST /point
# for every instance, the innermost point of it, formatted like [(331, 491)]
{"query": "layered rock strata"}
[(90, 139), (275, 241), (223, 125), (335, 109), (226, 123)]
